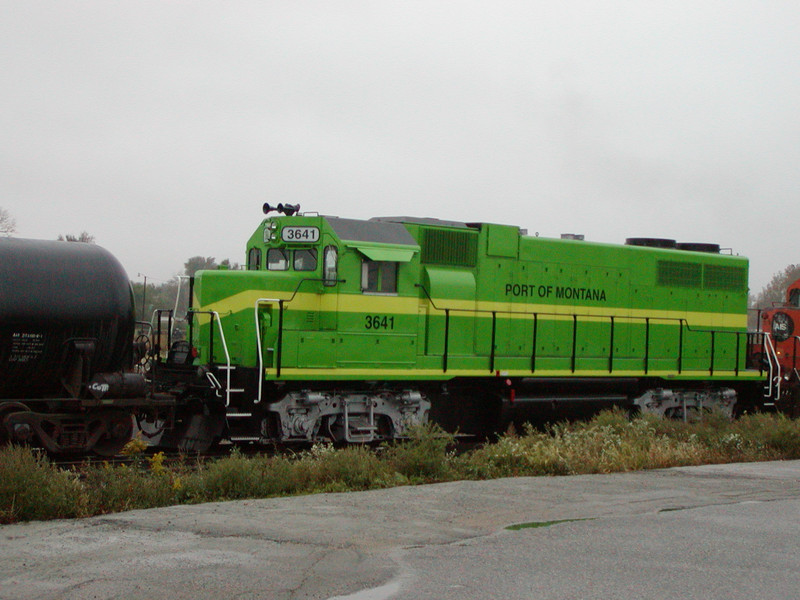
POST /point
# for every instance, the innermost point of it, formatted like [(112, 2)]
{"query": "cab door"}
[(317, 328)]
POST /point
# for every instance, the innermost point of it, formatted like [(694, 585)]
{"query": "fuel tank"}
[(66, 313)]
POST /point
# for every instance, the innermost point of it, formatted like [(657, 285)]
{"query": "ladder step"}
[(239, 414), (244, 439), (227, 368)]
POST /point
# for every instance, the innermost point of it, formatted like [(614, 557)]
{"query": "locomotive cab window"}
[(277, 259), (794, 298), (379, 277), (254, 259), (305, 260)]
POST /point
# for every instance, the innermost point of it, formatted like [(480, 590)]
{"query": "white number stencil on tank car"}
[(26, 347), (300, 234)]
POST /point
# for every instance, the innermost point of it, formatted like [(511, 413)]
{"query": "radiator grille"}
[(732, 279), (679, 274), (709, 277), (452, 248)]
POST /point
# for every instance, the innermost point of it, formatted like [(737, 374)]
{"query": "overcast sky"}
[(162, 127)]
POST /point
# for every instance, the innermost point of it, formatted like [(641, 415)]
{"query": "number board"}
[(300, 234)]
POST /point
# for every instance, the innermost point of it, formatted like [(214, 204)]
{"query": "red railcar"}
[(776, 348), (782, 323)]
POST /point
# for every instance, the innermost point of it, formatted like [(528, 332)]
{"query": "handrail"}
[(280, 302), (215, 316), (614, 319), (565, 315), (258, 341), (145, 324), (772, 356), (178, 297), (157, 314), (227, 358)]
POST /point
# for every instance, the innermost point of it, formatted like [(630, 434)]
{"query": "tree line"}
[(163, 295)]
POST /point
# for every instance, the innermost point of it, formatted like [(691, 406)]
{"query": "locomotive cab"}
[(323, 300)]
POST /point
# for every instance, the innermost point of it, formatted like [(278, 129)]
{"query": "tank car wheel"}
[(119, 429), (151, 427), (142, 349), (5, 410)]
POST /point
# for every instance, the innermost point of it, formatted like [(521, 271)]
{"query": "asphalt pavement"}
[(725, 531)]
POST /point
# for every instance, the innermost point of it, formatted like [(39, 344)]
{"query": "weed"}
[(134, 447), (31, 487), (355, 468), (423, 456), (122, 487)]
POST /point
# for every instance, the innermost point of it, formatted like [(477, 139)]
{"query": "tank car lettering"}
[(99, 388), (26, 346)]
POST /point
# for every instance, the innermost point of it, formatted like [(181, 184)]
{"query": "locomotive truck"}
[(354, 330)]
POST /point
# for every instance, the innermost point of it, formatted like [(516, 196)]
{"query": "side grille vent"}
[(709, 277), (451, 248), (679, 274), (732, 279)]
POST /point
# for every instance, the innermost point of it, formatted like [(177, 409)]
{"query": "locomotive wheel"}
[(119, 429)]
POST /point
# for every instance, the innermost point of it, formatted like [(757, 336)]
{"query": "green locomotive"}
[(352, 330)]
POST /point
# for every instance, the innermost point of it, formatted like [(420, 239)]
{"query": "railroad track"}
[(463, 443)]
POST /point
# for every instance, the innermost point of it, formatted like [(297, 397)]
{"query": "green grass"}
[(33, 488)]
